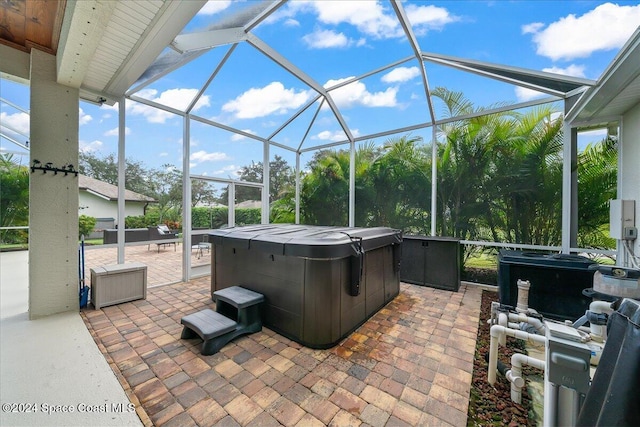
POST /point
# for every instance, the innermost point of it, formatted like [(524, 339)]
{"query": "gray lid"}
[(306, 240)]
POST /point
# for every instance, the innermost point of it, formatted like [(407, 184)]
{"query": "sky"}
[(333, 42)]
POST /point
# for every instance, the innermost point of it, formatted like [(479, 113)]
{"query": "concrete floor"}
[(51, 370)]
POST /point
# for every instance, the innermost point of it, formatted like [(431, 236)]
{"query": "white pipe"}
[(503, 320), (496, 331), (523, 296), (518, 360), (550, 402), (521, 317)]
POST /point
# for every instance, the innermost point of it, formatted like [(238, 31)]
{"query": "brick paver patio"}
[(410, 364), (164, 264)]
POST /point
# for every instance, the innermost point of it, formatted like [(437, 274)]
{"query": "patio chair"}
[(200, 243), (162, 232)]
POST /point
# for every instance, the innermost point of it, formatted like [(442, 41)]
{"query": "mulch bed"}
[(492, 405)]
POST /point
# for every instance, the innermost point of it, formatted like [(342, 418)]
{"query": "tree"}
[(106, 169), (164, 184), (86, 224), (14, 202), (281, 180), (597, 183)]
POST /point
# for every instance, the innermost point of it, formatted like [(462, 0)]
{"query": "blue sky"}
[(331, 42)]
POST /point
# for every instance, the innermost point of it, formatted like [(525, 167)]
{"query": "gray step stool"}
[(237, 313)]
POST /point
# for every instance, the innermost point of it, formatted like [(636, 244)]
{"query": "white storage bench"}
[(114, 284)]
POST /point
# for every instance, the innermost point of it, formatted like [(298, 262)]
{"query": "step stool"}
[(237, 313)]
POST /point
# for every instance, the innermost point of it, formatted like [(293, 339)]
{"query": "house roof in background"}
[(109, 191)]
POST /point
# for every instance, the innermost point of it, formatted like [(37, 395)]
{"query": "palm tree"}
[(597, 183)]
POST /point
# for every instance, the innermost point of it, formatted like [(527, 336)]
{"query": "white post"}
[(53, 199), (266, 187), (434, 179), (352, 184), (121, 177), (297, 187), (186, 199)]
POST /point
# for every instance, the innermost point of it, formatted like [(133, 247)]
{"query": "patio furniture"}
[(161, 232), (110, 236), (115, 284), (237, 313), (200, 242)]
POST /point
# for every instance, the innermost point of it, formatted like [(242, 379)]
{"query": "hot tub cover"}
[(306, 241)]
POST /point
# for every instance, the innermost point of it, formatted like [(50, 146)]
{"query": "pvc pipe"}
[(496, 331), (523, 318), (523, 296), (503, 320), (518, 360), (550, 402)]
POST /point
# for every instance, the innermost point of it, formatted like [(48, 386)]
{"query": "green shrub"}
[(86, 224)]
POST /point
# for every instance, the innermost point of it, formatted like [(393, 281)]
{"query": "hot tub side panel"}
[(323, 291), (309, 300), (278, 278)]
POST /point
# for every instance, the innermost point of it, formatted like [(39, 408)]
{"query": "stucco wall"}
[(630, 183), (99, 207)]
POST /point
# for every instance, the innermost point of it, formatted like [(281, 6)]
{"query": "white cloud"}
[(523, 94), (175, 98), (606, 27), (83, 118), (214, 6), (114, 131), (323, 39), (89, 147), (17, 121), (260, 102), (368, 17), (291, 23), (427, 18), (238, 137), (163, 154), (532, 28), (203, 156), (334, 136), (572, 70), (356, 93), (372, 19), (232, 170), (400, 74)]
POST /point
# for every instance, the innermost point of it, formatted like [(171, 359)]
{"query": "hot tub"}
[(319, 283)]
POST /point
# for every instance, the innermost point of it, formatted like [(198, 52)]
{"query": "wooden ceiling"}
[(27, 24)]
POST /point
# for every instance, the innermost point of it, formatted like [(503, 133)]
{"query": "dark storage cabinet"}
[(319, 283), (431, 261), (557, 282)]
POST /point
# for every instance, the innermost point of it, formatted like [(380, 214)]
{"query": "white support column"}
[(434, 179), (186, 199), (266, 187), (569, 196), (53, 199), (352, 184), (122, 168), (232, 204), (297, 187)]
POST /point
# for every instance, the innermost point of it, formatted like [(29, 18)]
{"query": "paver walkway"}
[(410, 364)]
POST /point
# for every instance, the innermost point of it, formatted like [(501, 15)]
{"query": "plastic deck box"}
[(431, 261), (115, 284)]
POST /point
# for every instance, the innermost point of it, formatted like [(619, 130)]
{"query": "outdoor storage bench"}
[(114, 284)]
